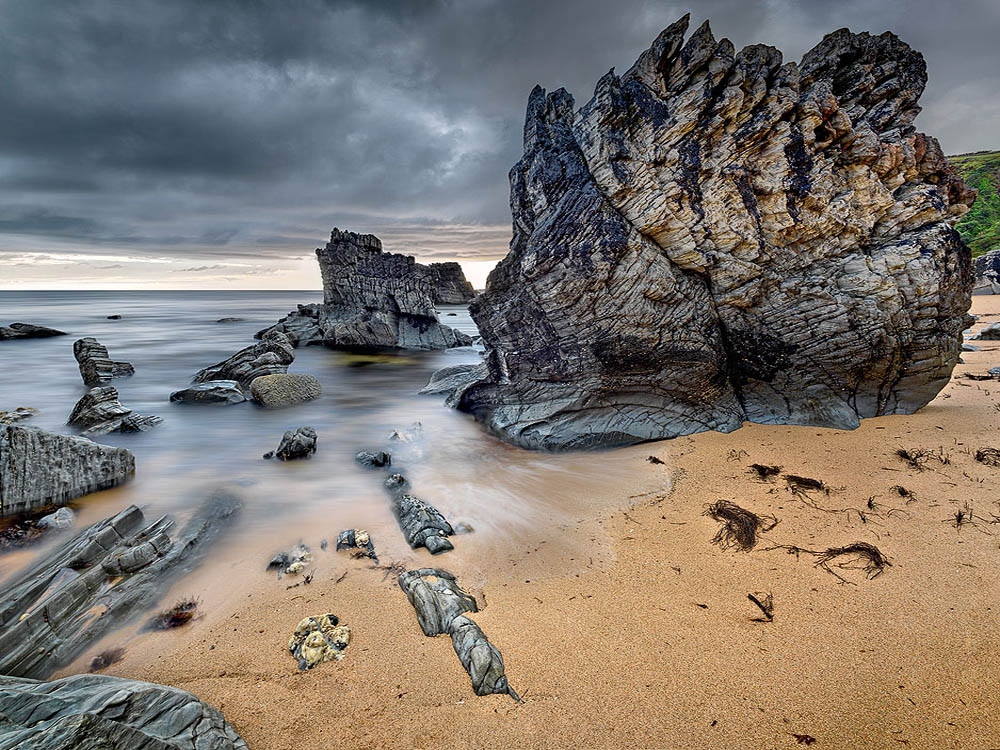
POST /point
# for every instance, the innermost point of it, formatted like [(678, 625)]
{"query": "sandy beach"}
[(628, 627)]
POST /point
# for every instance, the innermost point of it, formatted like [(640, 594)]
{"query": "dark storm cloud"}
[(238, 129)]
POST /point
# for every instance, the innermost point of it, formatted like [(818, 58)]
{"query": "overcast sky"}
[(207, 143)]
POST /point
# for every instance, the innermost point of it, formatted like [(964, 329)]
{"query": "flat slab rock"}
[(373, 300), (119, 566), (40, 468), (225, 392), (719, 236), (284, 390), (27, 331), (441, 604), (99, 711)]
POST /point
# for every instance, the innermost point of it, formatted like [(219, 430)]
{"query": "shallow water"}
[(506, 494)]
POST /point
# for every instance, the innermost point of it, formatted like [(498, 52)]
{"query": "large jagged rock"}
[(99, 412), (100, 579), (987, 268), (450, 285), (39, 468), (718, 237), (441, 604), (270, 356), (96, 366), (372, 300), (27, 331), (90, 711)]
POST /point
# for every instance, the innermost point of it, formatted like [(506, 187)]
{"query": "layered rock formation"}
[(271, 356), (99, 412), (450, 285), (98, 711), (987, 268), (39, 468), (96, 366), (372, 300), (49, 613), (718, 236)]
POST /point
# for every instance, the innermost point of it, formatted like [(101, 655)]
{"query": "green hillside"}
[(980, 228)]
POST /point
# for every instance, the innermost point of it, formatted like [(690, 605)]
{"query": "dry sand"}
[(640, 633)]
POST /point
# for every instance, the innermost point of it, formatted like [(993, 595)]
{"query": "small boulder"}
[(211, 392), (61, 519), (284, 389), (374, 460), (318, 639), (300, 443)]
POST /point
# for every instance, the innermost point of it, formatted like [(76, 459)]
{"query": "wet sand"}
[(629, 628)]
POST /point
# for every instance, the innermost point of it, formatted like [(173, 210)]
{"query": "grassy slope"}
[(980, 228)]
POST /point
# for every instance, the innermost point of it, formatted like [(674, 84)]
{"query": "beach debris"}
[(856, 556), (918, 458), (654, 460), (27, 331), (122, 565), (100, 412), (100, 711), (318, 639), (901, 491), (441, 604), (271, 355), (183, 612), (62, 468), (224, 392), (739, 526), (295, 444), (764, 601), (374, 459), (291, 562), (988, 456), (764, 472), (359, 540), (106, 658), (802, 486), (803, 739), (96, 366), (18, 415)]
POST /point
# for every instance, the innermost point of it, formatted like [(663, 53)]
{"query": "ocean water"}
[(504, 493)]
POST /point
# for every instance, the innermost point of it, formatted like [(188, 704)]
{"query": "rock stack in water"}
[(373, 300), (719, 236), (96, 366), (450, 285)]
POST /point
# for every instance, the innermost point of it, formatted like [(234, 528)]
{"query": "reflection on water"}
[(504, 493)]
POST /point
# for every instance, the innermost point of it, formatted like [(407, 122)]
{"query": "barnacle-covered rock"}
[(318, 639)]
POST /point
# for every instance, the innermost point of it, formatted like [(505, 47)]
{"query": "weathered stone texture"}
[(39, 468), (718, 237)]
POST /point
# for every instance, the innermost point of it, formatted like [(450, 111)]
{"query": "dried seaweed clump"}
[(801, 486), (739, 526), (318, 639), (180, 614), (988, 456), (763, 471), (918, 458), (857, 556)]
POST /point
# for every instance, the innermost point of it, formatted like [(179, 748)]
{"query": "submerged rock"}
[(318, 639), (40, 468), (27, 331), (96, 366), (719, 237), (422, 523), (19, 414), (374, 460), (292, 562), (270, 356), (100, 412), (283, 390), (300, 443), (99, 711), (210, 392), (441, 604), (372, 300), (121, 564)]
